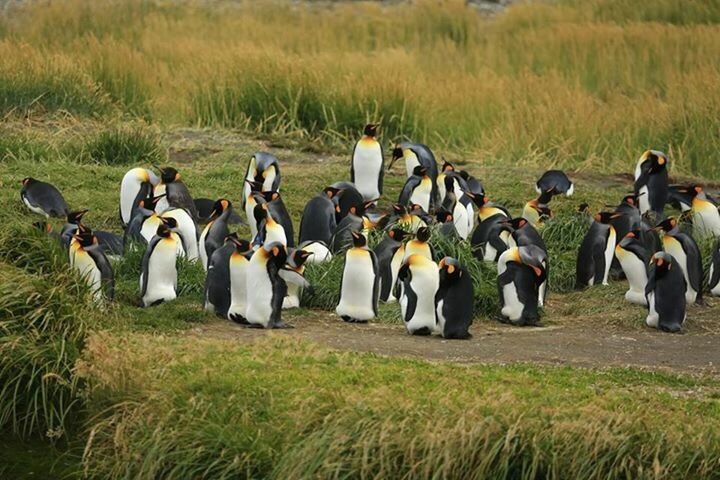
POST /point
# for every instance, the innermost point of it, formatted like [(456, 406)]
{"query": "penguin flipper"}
[(598, 256), (407, 190), (146, 263), (376, 282)]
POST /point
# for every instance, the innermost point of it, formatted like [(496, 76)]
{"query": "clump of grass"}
[(124, 145), (563, 235)]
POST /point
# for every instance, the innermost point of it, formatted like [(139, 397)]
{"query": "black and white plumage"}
[(137, 183), (176, 192), (454, 302), (686, 253), (418, 189), (88, 258), (217, 280), (266, 289), (390, 253), (521, 271), (318, 222), (664, 292), (214, 233), (360, 284), (651, 182), (158, 280), (633, 258), (418, 283), (263, 168), (367, 165), (417, 154), (596, 252), (714, 272), (555, 182), (43, 198)]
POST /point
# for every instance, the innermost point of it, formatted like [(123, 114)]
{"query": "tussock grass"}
[(124, 145), (563, 235)]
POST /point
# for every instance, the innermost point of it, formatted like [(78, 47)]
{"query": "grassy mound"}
[(124, 145)]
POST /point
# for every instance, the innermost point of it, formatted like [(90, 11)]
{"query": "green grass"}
[(125, 145)]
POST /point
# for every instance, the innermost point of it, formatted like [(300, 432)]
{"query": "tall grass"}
[(571, 84)]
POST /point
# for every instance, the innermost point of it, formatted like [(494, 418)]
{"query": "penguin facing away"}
[(217, 281), (418, 283), (238, 264), (366, 167), (318, 222), (714, 273), (664, 292), (596, 252), (651, 182), (158, 280), (43, 198), (265, 289), (686, 255), (521, 271), (136, 184), (634, 258), (454, 303), (390, 253), (92, 264), (359, 290), (555, 182)]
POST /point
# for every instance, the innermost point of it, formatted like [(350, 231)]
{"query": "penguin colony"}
[(250, 281)]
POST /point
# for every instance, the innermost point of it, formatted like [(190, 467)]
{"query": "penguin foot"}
[(238, 319), (458, 336), (156, 302), (349, 319), (701, 302), (423, 332)]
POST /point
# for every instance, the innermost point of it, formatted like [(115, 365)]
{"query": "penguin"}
[(292, 273), (454, 302), (266, 289), (145, 210), (367, 166), (634, 258), (417, 189), (238, 263), (705, 214), (596, 252), (205, 207), (158, 280), (499, 238), (176, 192), (537, 210), (318, 221), (473, 184), (457, 182), (73, 220), (521, 271), (136, 184), (359, 287), (420, 244), (630, 220), (462, 220), (342, 238), (402, 217), (679, 197), (714, 273), (277, 212), (214, 233), (108, 242), (390, 253), (687, 256), (418, 284), (664, 292), (488, 216), (417, 154), (555, 182), (651, 182), (348, 200), (90, 261), (217, 280), (523, 234), (446, 225), (43, 198), (186, 228), (320, 251), (263, 168)]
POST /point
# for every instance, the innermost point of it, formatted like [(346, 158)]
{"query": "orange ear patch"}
[(659, 262), (451, 268), (275, 251)]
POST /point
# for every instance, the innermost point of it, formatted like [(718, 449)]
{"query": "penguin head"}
[(298, 257), (399, 209), (695, 190), (254, 186), (516, 223), (450, 269), (397, 153), (371, 129), (76, 216), (450, 184), (443, 216), (397, 234), (359, 240), (479, 200), (447, 166), (168, 174), (423, 234), (277, 253), (663, 263), (420, 171), (331, 192), (667, 225), (271, 195), (535, 258), (171, 223), (219, 207), (163, 231), (151, 202), (242, 246), (86, 238), (606, 217), (654, 161), (28, 181)]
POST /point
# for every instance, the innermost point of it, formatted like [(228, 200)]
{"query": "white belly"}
[(609, 253), (292, 300), (320, 253), (411, 162), (34, 208), (129, 188), (460, 217), (162, 204), (187, 230), (275, 233), (202, 252), (706, 219), (85, 265), (238, 285), (512, 308), (258, 294), (714, 289), (653, 319), (395, 264), (636, 274), (424, 283), (249, 213), (440, 327), (356, 292), (674, 248), (162, 273), (421, 195), (367, 164), (149, 227), (643, 200)]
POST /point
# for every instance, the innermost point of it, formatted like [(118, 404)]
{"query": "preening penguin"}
[(348, 200), (446, 224), (43, 198), (263, 168), (265, 287), (634, 258), (454, 300), (238, 275), (555, 182), (596, 252), (488, 216), (651, 182), (343, 239), (405, 218), (418, 189), (360, 283), (276, 216), (137, 230), (417, 154), (536, 210), (158, 280), (418, 283), (187, 229), (705, 214), (108, 242), (521, 271), (420, 245), (137, 184), (461, 218), (176, 193), (366, 168), (664, 293), (687, 256), (523, 234), (88, 259), (217, 280), (318, 221), (498, 239), (215, 231), (390, 253), (714, 273), (250, 202), (292, 273), (320, 251)]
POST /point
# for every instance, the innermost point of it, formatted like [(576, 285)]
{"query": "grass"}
[(516, 88), (125, 145)]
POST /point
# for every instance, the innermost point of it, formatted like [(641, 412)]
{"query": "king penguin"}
[(263, 168), (265, 288), (454, 300), (137, 230), (276, 210), (555, 182), (318, 221), (215, 231), (238, 279), (417, 154), (187, 229), (217, 281), (137, 183), (705, 214), (420, 244), (687, 256), (634, 258), (418, 283), (390, 253), (359, 287), (418, 189), (651, 182), (461, 218), (158, 280), (176, 192), (366, 170), (92, 264), (596, 252), (666, 302), (293, 274), (521, 271), (714, 273), (43, 198)]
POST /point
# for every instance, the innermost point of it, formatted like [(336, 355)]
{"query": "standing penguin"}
[(263, 168), (176, 192), (488, 216), (555, 182), (215, 231), (73, 221), (714, 273), (705, 214), (138, 230), (265, 287), (420, 244), (359, 289), (187, 229), (217, 281), (276, 209), (417, 154), (633, 258), (238, 279), (158, 280), (664, 293), (292, 273), (43, 198), (461, 218), (651, 182), (348, 200), (454, 303), (136, 184), (521, 271), (366, 170), (93, 265), (418, 189), (687, 256), (390, 253), (318, 219), (418, 283), (596, 252)]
